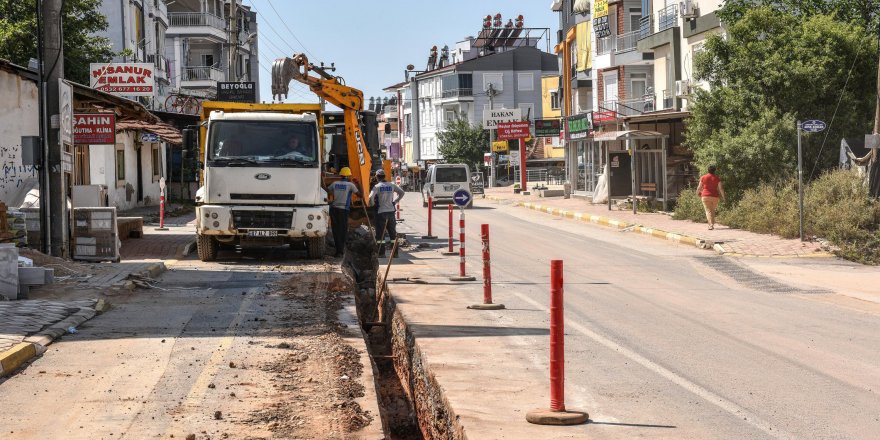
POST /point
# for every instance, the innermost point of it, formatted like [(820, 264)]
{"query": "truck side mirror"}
[(190, 139)]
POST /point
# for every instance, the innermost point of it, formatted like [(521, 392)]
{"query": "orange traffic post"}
[(462, 275), (430, 236), (557, 414), (487, 275), (451, 251)]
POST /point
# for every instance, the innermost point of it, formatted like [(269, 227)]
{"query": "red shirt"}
[(710, 185)]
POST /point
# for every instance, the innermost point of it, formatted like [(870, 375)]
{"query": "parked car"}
[(443, 180)]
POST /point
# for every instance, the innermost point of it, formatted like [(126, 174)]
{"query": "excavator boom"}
[(328, 87)]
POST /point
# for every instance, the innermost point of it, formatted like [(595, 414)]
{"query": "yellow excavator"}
[(351, 100)]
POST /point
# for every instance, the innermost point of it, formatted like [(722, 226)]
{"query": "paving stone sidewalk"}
[(29, 320), (726, 240)]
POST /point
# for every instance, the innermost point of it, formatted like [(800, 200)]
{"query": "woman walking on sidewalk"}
[(709, 190)]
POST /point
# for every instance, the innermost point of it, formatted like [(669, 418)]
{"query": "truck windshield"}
[(252, 142)]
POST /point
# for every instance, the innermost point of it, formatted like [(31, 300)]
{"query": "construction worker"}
[(339, 208), (383, 198)]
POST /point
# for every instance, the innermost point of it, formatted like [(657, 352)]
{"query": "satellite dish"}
[(410, 67)]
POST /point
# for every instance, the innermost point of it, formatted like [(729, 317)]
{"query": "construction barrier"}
[(451, 251), (430, 235), (462, 275)]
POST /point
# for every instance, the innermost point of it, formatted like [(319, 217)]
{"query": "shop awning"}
[(603, 136), (165, 131)]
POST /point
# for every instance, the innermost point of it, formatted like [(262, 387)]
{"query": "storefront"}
[(583, 158)]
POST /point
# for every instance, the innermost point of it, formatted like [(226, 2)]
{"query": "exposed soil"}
[(316, 378)]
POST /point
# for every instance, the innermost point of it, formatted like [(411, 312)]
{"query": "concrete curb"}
[(35, 345), (614, 223), (719, 248)]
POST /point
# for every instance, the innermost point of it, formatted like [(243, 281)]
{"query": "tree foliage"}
[(81, 20), (462, 142), (865, 13), (770, 70)]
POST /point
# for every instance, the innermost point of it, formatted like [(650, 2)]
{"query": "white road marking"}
[(707, 395)]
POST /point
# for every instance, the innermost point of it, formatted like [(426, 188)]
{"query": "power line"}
[(288, 28), (272, 28)]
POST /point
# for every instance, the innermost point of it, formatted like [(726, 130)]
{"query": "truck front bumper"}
[(293, 222)]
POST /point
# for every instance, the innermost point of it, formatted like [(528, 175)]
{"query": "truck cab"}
[(262, 182)]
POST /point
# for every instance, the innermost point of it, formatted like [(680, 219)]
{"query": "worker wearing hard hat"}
[(339, 208), (383, 198)]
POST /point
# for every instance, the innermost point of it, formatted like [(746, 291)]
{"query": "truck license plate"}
[(262, 233), (450, 187)]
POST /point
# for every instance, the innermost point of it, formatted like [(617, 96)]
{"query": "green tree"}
[(865, 13), (462, 142), (770, 70), (81, 20)]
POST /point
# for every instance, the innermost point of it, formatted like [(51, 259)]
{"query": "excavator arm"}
[(328, 87)]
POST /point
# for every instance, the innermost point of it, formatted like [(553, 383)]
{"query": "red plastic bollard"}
[(461, 272), (430, 217), (557, 338), (487, 268), (161, 209), (557, 414), (450, 229)]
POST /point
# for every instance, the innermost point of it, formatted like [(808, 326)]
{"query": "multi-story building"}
[(551, 108), (199, 40), (503, 66), (136, 30), (189, 42), (640, 53)]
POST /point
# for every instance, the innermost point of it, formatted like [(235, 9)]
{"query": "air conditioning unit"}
[(688, 9), (682, 88)]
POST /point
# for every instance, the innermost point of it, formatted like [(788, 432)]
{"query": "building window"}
[(207, 59), (554, 100), (156, 164), (638, 85), (496, 79), (120, 165), (525, 81)]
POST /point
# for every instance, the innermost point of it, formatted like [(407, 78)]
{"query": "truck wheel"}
[(207, 247), (316, 247)]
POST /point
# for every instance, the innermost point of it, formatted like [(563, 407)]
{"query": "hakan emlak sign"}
[(123, 79)]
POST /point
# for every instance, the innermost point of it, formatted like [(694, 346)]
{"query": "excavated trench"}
[(411, 402)]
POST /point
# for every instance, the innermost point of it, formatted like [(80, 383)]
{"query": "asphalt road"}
[(669, 341)]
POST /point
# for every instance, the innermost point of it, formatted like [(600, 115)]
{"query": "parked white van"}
[(443, 180)]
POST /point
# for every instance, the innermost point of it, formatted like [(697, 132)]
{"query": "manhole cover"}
[(751, 279)]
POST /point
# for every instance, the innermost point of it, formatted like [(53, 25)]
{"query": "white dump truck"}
[(261, 180)]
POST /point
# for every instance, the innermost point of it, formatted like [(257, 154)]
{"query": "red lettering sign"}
[(94, 128), (513, 130)]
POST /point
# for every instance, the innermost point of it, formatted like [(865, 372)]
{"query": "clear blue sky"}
[(372, 42)]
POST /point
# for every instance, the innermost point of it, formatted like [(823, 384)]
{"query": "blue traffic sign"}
[(813, 126), (461, 198)]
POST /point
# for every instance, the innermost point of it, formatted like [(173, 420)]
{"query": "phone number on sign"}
[(140, 89)]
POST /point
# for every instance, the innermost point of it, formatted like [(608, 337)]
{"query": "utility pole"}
[(53, 65), (491, 93), (233, 40)]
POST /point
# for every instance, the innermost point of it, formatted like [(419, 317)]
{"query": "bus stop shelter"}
[(647, 166)]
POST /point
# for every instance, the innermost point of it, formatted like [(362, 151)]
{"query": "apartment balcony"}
[(628, 107), (197, 24), (627, 42), (668, 100), (666, 18), (201, 77), (467, 93)]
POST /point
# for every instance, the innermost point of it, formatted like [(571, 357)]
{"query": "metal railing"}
[(193, 19), (453, 93), (627, 107), (667, 17), (627, 42), (646, 27), (202, 73), (603, 45)]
